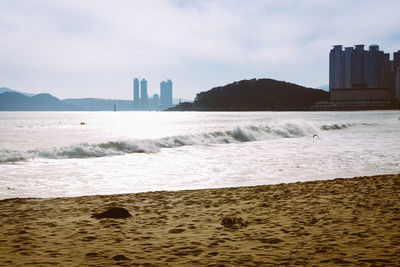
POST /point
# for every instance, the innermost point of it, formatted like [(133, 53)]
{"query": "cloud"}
[(156, 38)]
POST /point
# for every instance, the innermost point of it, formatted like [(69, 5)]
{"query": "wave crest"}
[(336, 126), (8, 156), (238, 134)]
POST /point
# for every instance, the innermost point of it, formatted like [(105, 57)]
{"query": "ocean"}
[(63, 154)]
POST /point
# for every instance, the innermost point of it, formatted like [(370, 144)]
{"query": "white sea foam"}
[(49, 154), (239, 134), (9, 156)]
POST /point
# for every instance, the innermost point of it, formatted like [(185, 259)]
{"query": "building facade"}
[(347, 68), (357, 65), (166, 94), (367, 75), (398, 83), (136, 99), (144, 99), (336, 67), (360, 94), (155, 102)]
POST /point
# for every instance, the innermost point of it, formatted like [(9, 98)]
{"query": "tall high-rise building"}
[(360, 68), (336, 69), (396, 67), (144, 99), (356, 74), (398, 83), (348, 55), (155, 102), (136, 99), (357, 68), (385, 74), (166, 94), (373, 62), (396, 58)]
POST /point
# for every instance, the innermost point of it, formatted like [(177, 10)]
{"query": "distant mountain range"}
[(261, 94), (255, 95), (5, 89), (12, 100), (15, 101)]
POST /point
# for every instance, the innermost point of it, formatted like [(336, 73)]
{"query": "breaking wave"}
[(238, 134), (336, 126)]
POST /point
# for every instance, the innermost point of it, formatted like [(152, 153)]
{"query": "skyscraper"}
[(348, 54), (373, 60), (396, 67), (155, 102), (336, 67), (360, 68), (136, 99), (166, 94), (356, 74), (398, 83), (396, 59), (357, 70), (385, 73), (362, 79), (144, 100)]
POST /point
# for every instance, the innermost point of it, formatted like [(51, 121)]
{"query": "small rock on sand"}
[(116, 213), (120, 258)]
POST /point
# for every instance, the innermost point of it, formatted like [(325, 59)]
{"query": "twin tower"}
[(157, 102)]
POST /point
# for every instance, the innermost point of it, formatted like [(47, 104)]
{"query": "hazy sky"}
[(93, 48)]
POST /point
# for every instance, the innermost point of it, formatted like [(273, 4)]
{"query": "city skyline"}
[(356, 67), (159, 101), (362, 79), (89, 49)]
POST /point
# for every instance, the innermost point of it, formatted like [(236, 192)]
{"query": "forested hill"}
[(254, 95)]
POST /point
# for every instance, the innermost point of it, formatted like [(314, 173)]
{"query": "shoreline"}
[(318, 179), (342, 221)]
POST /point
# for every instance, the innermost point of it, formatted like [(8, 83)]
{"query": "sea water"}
[(59, 154)]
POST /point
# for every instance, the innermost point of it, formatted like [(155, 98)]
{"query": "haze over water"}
[(50, 154)]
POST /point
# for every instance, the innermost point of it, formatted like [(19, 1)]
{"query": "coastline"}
[(353, 221)]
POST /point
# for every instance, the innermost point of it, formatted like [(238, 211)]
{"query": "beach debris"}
[(176, 231), (233, 222), (213, 253), (315, 136), (93, 254), (116, 213), (120, 257), (270, 240)]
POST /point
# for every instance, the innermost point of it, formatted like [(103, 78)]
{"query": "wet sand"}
[(340, 222)]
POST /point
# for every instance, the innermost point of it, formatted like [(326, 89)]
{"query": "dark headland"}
[(255, 95)]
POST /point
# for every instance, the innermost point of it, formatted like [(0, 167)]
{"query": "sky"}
[(94, 48)]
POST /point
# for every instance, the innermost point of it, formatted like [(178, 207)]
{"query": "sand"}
[(340, 222)]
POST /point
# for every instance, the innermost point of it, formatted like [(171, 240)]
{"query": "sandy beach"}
[(340, 222)]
